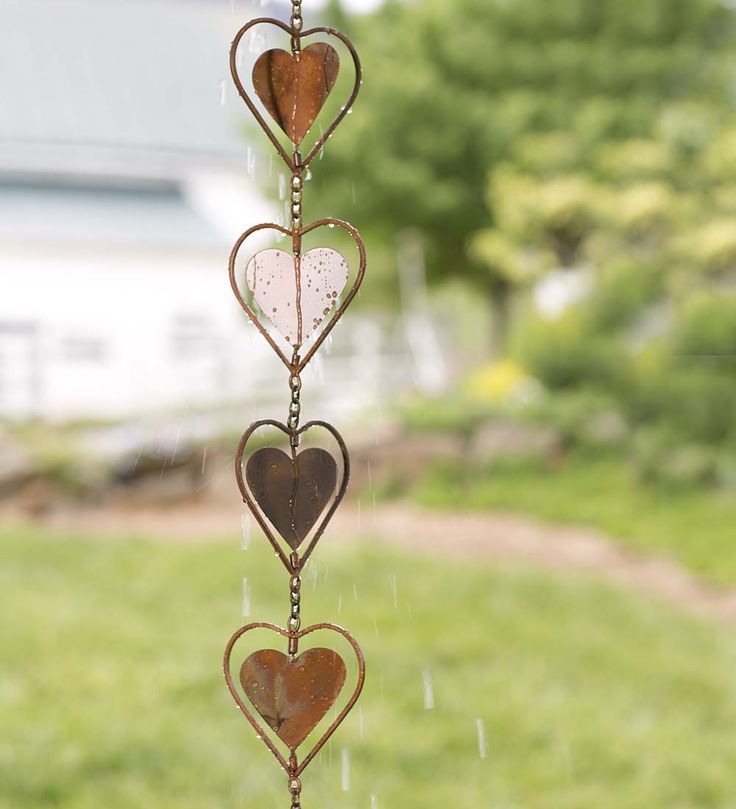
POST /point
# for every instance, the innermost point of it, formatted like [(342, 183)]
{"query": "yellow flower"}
[(497, 381)]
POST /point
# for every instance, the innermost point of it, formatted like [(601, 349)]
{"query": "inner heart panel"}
[(292, 493), (296, 295), (294, 88), (293, 695)]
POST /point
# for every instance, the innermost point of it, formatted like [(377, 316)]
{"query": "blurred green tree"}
[(454, 86)]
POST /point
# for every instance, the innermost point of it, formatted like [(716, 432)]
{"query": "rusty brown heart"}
[(293, 695), (297, 364), (299, 713), (294, 87), (281, 500), (292, 491), (291, 127)]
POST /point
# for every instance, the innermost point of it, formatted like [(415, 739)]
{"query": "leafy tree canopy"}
[(453, 88)]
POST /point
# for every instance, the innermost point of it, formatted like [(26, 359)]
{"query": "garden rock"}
[(515, 441), (606, 429), (16, 466)]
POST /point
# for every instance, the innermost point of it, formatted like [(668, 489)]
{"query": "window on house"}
[(192, 337), (83, 349)]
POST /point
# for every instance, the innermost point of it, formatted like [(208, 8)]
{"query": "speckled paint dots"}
[(271, 276)]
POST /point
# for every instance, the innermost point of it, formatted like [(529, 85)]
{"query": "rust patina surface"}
[(292, 491), (293, 696), (294, 87)]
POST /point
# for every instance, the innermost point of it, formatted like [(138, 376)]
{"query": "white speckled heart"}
[(271, 277)]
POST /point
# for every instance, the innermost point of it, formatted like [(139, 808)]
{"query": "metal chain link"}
[(296, 200), (295, 618), (296, 24), (295, 408), (295, 789)]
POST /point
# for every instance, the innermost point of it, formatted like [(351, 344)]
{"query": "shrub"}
[(568, 353), (698, 403), (624, 289), (660, 458), (707, 333), (447, 414), (579, 415)]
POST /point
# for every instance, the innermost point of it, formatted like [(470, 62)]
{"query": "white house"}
[(127, 171), (125, 176)]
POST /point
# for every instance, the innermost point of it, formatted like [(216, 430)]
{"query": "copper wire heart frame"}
[(294, 563), (292, 767), (296, 365), (294, 163)]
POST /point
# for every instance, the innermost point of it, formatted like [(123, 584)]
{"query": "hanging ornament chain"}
[(296, 24), (293, 496)]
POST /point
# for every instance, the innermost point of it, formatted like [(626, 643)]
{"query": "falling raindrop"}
[(251, 162), (204, 460), (428, 690), (394, 590), (374, 802), (246, 525), (255, 43), (339, 605), (222, 91), (282, 186), (345, 757), (482, 744), (318, 369), (361, 723), (246, 598)]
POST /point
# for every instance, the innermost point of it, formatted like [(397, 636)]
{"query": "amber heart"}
[(294, 88), (292, 493), (293, 695)]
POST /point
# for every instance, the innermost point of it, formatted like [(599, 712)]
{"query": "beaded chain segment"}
[(290, 482)]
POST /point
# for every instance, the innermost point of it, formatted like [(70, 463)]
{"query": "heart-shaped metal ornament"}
[(293, 694), (292, 491), (294, 87), (284, 285), (291, 701), (280, 81), (296, 496), (296, 293)]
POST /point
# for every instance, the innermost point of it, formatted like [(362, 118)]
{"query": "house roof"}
[(83, 79), (146, 218)]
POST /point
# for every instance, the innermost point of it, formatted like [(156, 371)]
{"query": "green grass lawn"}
[(696, 527), (111, 693)]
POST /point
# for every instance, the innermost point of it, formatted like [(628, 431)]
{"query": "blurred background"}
[(537, 383)]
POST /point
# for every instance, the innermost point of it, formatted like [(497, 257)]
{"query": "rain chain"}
[(289, 481)]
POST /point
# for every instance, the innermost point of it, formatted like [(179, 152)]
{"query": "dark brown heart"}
[(293, 695), (292, 493), (294, 88)]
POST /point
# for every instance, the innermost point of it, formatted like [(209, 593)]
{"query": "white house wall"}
[(89, 335)]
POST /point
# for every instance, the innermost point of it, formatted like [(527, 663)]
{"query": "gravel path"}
[(500, 538)]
